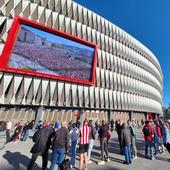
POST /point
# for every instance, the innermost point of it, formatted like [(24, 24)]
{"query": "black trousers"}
[(8, 138), (119, 138), (104, 147), (167, 147), (44, 160)]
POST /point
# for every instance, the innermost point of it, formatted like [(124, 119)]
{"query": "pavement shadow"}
[(141, 155), (163, 159), (96, 155), (114, 146), (21, 160), (116, 160)]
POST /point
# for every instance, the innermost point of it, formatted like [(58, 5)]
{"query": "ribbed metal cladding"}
[(128, 75)]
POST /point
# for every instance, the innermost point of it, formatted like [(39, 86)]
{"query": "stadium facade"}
[(128, 77)]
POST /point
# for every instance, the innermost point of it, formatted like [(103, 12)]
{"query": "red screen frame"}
[(12, 37)]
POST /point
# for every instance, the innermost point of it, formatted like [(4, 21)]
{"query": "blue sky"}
[(58, 39), (146, 20)]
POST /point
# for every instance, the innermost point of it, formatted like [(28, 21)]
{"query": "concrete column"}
[(81, 115), (109, 115), (130, 115), (38, 115)]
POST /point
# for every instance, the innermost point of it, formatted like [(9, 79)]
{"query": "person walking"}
[(92, 139), (42, 142), (148, 132), (60, 145), (18, 129), (159, 131), (112, 125), (56, 125), (126, 143), (132, 127), (39, 125), (27, 130), (103, 132), (8, 129), (84, 134), (119, 126), (74, 138), (97, 125), (155, 139), (24, 131)]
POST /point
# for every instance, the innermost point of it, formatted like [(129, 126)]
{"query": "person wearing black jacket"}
[(92, 139), (60, 145), (103, 131), (126, 143), (119, 126), (42, 142)]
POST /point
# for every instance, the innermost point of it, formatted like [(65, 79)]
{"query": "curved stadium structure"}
[(128, 77)]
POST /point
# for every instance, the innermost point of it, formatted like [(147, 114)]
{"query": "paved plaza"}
[(16, 157)]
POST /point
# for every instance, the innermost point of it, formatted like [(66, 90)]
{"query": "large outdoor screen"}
[(40, 50)]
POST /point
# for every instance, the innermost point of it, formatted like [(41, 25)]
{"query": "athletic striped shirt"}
[(84, 135)]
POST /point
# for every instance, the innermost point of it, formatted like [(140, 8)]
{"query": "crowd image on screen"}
[(51, 57)]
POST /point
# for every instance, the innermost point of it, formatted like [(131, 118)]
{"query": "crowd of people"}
[(156, 135), (57, 137), (50, 59)]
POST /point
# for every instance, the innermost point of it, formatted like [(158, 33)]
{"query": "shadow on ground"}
[(22, 161)]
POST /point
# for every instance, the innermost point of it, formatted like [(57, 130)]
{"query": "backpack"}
[(146, 131), (66, 165)]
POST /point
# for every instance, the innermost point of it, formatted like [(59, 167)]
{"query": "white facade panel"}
[(126, 69)]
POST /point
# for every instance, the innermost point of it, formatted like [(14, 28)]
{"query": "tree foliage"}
[(168, 112)]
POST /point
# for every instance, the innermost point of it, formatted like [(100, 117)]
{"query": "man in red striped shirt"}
[(84, 134)]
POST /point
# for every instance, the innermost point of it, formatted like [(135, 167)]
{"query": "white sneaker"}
[(107, 160), (153, 158), (101, 163), (135, 157), (89, 162)]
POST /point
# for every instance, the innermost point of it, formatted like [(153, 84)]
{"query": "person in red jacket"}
[(148, 132)]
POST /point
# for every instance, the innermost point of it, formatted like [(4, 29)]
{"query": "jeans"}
[(26, 135), (127, 153), (91, 143), (156, 147), (57, 156), (161, 144), (104, 147), (149, 144), (73, 152)]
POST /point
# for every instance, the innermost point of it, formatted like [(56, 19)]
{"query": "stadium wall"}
[(128, 80)]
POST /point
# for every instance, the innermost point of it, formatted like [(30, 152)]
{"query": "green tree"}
[(168, 112)]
